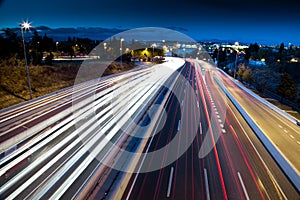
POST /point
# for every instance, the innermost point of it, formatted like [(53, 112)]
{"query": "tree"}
[(35, 53), (10, 44), (49, 59), (245, 74), (287, 87), (240, 72), (281, 48), (252, 51)]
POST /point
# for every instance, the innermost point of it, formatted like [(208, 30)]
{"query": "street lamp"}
[(236, 58), (104, 47), (57, 49), (121, 40), (26, 25), (153, 45)]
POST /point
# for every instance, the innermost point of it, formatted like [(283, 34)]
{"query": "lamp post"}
[(236, 57), (104, 47), (26, 25), (121, 40), (153, 45), (57, 49)]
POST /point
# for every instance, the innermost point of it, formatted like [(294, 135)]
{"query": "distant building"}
[(257, 63)]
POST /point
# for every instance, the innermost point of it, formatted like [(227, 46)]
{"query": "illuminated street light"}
[(26, 26), (57, 49), (104, 47), (153, 45), (236, 58), (121, 40)]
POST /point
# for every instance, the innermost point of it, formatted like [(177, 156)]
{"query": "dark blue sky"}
[(263, 21)]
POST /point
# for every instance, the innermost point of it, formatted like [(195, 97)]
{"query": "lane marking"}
[(220, 120), (206, 184), (197, 104), (218, 116), (261, 159), (222, 125), (243, 186), (298, 142), (223, 130), (182, 103), (292, 136), (285, 131), (178, 127), (170, 182), (217, 112), (280, 126)]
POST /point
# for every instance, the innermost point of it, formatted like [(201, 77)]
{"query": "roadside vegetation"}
[(48, 76), (272, 72), (44, 80)]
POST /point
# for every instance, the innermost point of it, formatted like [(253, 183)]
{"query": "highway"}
[(284, 133), (238, 167), (161, 132)]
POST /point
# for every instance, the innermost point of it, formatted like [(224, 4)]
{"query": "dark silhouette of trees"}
[(35, 47), (10, 45), (287, 87), (252, 51), (281, 48)]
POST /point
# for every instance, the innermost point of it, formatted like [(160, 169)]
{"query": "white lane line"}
[(206, 184), (220, 120), (223, 130), (285, 131), (222, 125), (182, 103), (243, 186), (170, 182), (217, 112), (197, 104), (178, 127), (218, 116), (261, 159), (292, 136), (280, 126), (298, 142), (200, 127)]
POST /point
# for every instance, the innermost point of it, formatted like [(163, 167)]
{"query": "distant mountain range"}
[(61, 34), (95, 33)]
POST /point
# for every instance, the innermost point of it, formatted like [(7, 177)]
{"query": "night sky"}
[(262, 21)]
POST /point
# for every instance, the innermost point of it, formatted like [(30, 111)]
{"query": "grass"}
[(44, 80)]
